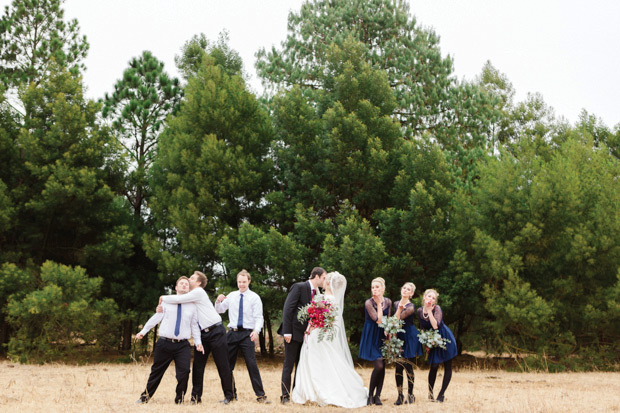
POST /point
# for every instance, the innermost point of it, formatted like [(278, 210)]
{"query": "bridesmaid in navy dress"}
[(373, 336), (430, 316), (405, 310)]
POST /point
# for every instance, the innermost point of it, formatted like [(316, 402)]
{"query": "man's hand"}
[(288, 338), (139, 336), (220, 298), (200, 348), (253, 336)]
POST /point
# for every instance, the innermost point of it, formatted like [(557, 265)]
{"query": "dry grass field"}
[(116, 387)]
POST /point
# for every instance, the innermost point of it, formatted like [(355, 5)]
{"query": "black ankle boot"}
[(411, 399), (400, 399)]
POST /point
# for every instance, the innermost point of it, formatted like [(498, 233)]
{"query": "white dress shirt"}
[(168, 320), (252, 310), (207, 316)]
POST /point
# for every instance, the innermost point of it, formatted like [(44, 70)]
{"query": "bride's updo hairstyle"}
[(336, 281)]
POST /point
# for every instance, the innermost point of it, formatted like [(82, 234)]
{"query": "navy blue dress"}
[(412, 346), (372, 335), (439, 355)]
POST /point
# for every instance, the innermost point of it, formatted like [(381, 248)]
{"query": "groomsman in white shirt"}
[(178, 322), (245, 314), (212, 335)]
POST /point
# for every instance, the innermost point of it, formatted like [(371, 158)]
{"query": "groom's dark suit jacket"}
[(299, 295)]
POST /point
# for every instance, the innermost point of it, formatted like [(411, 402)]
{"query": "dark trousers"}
[(241, 340), (292, 351), (164, 353), (214, 342)]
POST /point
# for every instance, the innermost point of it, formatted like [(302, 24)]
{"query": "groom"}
[(300, 294)]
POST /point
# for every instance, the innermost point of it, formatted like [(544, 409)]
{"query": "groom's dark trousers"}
[(299, 295), (291, 359)]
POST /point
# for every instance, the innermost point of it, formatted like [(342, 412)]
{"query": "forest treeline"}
[(365, 155)]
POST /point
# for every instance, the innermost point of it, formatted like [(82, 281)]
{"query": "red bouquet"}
[(319, 314)]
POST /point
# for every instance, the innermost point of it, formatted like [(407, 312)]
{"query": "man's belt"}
[(174, 340), (206, 330)]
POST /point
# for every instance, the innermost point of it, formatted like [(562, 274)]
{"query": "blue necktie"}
[(240, 318), (177, 327)]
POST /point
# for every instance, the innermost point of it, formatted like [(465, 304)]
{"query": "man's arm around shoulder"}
[(193, 296)]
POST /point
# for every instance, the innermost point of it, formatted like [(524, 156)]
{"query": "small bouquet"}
[(431, 339), (319, 314), (392, 347)]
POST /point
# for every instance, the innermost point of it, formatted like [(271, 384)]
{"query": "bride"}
[(325, 373)]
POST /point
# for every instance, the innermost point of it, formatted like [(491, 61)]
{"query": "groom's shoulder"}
[(300, 284)]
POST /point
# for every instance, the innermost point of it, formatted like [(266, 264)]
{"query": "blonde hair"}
[(380, 281), (244, 273), (432, 290), (410, 285)]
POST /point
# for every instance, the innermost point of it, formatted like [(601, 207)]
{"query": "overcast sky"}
[(569, 50)]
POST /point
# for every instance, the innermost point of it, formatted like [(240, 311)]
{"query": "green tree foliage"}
[(66, 210), (15, 283), (428, 97), (34, 37), (60, 315), (195, 50), (62, 179), (342, 146), (532, 119), (416, 228), (212, 170), (138, 108), (547, 230)]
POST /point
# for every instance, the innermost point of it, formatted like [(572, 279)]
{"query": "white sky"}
[(567, 50)]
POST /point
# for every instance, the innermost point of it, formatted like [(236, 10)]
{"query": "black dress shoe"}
[(377, 400), (195, 401), (226, 401), (263, 399), (142, 401), (285, 399), (369, 402), (440, 399), (399, 400)]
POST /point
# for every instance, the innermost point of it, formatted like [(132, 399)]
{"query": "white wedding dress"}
[(325, 373)]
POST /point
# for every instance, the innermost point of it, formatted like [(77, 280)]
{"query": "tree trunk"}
[(261, 341), (4, 334), (268, 327), (127, 329)]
